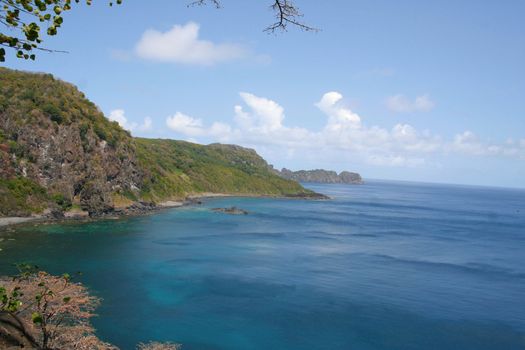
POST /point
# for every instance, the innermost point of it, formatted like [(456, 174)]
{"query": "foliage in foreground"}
[(24, 20), (46, 312)]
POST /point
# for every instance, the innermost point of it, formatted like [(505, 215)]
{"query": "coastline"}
[(16, 220), (140, 208)]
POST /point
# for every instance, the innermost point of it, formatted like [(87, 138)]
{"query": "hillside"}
[(321, 176), (178, 168), (58, 152)]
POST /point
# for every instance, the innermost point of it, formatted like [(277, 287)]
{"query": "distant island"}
[(61, 157), (320, 176)]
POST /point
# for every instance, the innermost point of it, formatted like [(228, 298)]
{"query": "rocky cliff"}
[(321, 176), (58, 152)]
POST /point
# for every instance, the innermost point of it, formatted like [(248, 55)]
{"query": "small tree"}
[(48, 312), (24, 18)]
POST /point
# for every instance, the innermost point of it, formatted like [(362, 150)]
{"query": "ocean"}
[(380, 266)]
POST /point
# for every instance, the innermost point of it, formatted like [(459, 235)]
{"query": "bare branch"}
[(215, 3), (286, 12), (63, 312)]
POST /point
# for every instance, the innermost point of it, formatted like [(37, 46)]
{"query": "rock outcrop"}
[(320, 176), (231, 211)]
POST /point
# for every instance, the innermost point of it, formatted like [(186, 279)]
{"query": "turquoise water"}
[(382, 266)]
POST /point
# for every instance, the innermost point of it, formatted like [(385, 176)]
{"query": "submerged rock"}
[(313, 195)]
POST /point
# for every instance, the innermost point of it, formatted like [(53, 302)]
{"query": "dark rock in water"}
[(231, 211), (320, 176), (193, 201), (312, 195)]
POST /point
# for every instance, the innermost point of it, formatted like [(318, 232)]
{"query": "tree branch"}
[(18, 324), (215, 3), (286, 12)]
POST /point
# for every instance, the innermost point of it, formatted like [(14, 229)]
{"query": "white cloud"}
[(470, 144), (267, 114), (402, 104), (467, 142), (181, 44), (186, 125), (260, 123), (193, 127), (395, 161), (220, 130), (119, 116), (147, 125), (340, 117)]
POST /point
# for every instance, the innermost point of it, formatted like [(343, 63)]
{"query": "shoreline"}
[(17, 220), (140, 209)]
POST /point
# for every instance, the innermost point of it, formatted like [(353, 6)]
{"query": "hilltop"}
[(59, 153)]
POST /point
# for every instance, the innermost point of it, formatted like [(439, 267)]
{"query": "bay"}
[(385, 265)]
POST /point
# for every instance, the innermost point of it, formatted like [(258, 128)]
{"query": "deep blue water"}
[(385, 266)]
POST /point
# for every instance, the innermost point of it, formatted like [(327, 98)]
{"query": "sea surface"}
[(383, 266)]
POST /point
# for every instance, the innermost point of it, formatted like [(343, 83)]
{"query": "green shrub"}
[(22, 187), (3, 103), (53, 112), (100, 132), (61, 201), (29, 94), (15, 148), (83, 129), (112, 141), (21, 196)]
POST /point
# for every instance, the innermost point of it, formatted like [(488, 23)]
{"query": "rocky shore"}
[(142, 208)]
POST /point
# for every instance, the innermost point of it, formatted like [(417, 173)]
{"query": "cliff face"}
[(58, 151), (54, 137), (321, 176)]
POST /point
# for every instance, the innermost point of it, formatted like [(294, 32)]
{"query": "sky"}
[(404, 90)]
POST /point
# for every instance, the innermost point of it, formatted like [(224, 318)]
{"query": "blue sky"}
[(407, 90)]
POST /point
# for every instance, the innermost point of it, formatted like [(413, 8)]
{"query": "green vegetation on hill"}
[(26, 97), (21, 196), (178, 168), (57, 151)]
